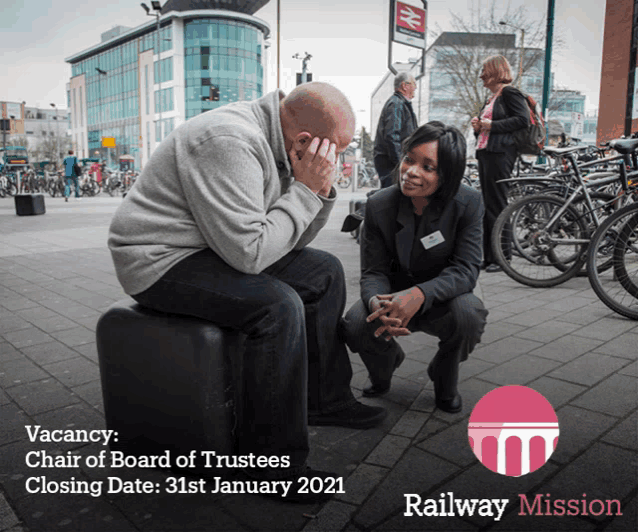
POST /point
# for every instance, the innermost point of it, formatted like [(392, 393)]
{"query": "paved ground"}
[(56, 278)]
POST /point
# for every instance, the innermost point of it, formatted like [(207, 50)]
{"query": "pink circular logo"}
[(513, 430)]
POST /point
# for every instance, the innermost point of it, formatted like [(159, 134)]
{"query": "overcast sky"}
[(347, 40)]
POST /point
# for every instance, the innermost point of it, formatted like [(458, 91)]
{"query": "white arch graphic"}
[(502, 431)]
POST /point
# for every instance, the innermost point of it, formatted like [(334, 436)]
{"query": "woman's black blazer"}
[(446, 270), (510, 113)]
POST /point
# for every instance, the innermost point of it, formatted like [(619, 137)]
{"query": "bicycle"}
[(617, 239), (367, 176), (471, 175), (7, 185), (88, 185), (541, 240)]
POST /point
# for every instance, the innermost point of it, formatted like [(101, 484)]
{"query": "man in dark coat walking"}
[(397, 122)]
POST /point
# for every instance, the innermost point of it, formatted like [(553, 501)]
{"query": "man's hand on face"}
[(316, 168)]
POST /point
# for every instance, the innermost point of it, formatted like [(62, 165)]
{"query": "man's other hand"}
[(395, 311)]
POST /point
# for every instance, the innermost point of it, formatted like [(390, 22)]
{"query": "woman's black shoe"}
[(453, 405), (381, 388)]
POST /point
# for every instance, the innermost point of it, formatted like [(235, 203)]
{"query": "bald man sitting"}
[(217, 227)]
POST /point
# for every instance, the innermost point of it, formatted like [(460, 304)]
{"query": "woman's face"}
[(419, 176), (487, 81)]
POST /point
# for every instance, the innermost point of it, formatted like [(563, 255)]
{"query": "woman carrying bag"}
[(505, 112)]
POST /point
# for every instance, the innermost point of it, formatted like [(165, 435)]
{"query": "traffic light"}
[(308, 77), (213, 94)]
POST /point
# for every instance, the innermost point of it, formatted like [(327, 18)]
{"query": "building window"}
[(169, 125), (158, 131), (163, 70), (164, 100), (148, 140), (225, 54)]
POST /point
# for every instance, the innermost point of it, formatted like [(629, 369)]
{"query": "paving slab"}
[(603, 472), (416, 472), (616, 396), (624, 434)]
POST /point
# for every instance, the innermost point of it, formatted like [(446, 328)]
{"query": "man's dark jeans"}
[(385, 170), (294, 361)]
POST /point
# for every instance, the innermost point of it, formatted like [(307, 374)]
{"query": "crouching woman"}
[(421, 248)]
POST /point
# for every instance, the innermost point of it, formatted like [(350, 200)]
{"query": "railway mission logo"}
[(513, 430)]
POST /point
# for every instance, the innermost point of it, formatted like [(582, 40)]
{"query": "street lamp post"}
[(99, 98), (520, 59), (304, 65), (157, 8), (57, 138)]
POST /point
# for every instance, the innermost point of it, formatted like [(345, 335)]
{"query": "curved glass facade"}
[(223, 53), (112, 97)]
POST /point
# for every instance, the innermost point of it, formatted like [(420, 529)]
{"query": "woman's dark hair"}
[(451, 156)]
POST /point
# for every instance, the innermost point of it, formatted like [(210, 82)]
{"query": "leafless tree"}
[(47, 148), (367, 146), (18, 140), (458, 62)]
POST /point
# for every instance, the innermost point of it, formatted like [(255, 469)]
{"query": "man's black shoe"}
[(493, 268), (299, 489), (356, 416)]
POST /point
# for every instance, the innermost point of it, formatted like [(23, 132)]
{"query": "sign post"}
[(108, 142), (578, 122), (407, 26)]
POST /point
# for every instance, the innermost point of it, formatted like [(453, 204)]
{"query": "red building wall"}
[(615, 70)]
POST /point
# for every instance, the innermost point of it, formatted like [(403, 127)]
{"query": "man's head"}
[(70, 152), (316, 109), (405, 83)]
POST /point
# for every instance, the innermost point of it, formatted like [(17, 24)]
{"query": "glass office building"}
[(135, 88)]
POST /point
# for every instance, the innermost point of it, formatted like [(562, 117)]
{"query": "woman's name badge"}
[(433, 239)]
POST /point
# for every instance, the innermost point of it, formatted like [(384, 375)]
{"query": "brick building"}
[(618, 106)]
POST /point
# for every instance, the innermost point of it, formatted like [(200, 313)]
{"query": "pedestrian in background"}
[(504, 112), (71, 176), (396, 123), (97, 173)]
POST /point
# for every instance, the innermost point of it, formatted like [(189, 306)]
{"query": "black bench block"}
[(29, 204), (167, 381)]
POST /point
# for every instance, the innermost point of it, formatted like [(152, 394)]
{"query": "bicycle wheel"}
[(113, 188), (603, 206), (625, 263), (617, 287), (533, 253), (11, 188)]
